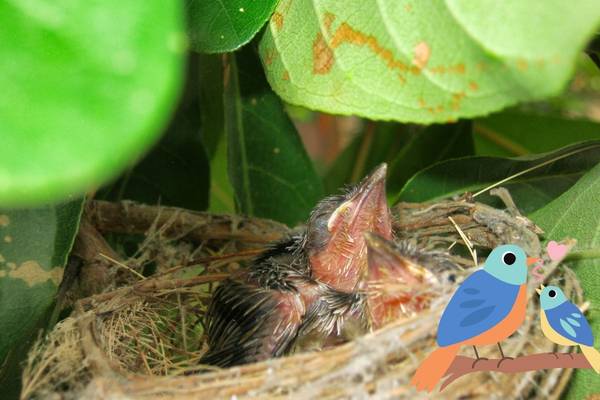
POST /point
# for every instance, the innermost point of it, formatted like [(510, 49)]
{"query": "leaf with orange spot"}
[(423, 61), (31, 268)]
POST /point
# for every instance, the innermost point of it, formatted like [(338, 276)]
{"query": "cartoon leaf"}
[(575, 214), (86, 88), (218, 26), (423, 61), (34, 245)]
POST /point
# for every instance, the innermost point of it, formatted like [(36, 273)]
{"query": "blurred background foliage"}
[(195, 104)]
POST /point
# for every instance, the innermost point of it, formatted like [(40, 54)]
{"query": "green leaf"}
[(575, 214), (513, 133), (379, 142), (530, 191), (221, 192), (423, 61), (34, 245), (407, 150), (433, 144), (219, 26), (213, 133), (86, 88), (176, 170), (269, 169)]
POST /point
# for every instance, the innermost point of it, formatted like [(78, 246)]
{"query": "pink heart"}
[(556, 251)]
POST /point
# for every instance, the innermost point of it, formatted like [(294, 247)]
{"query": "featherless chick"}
[(305, 291), (402, 278)]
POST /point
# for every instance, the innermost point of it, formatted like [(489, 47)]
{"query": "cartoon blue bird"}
[(487, 308), (563, 323)]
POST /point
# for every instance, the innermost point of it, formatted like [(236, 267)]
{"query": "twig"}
[(150, 285), (128, 217), (465, 239), (95, 273), (97, 360), (231, 257), (122, 265), (464, 365)]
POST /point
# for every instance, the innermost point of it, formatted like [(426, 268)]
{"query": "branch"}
[(150, 285), (94, 275), (464, 365), (128, 217)]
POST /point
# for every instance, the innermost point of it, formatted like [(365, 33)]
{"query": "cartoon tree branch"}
[(465, 365)]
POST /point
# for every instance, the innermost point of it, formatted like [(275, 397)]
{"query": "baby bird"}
[(563, 323), (302, 291), (402, 279)]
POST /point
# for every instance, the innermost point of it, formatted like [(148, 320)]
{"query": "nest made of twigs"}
[(140, 340)]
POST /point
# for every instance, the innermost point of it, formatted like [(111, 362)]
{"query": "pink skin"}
[(397, 286), (343, 261)]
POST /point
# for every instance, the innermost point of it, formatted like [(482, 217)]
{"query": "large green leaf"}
[(423, 61), (34, 245), (379, 142), (434, 143), (406, 149), (513, 133), (530, 191), (86, 88), (218, 26), (213, 133), (176, 171), (576, 214), (221, 193), (269, 169)]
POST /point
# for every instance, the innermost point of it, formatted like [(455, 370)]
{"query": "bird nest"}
[(142, 336)]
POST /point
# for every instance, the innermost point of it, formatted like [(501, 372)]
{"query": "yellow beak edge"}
[(539, 290)]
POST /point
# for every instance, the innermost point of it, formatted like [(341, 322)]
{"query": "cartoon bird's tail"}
[(593, 357), (434, 367)]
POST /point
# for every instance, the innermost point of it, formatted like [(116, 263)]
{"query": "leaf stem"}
[(550, 161), (500, 140), (586, 254), (363, 152)]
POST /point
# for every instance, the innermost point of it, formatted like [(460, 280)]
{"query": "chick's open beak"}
[(386, 263), (366, 206), (533, 260), (396, 285), (344, 260)]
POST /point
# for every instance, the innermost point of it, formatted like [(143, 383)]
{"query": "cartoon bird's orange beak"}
[(532, 260)]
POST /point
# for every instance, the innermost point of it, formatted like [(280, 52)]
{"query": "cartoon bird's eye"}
[(509, 258), (552, 294)]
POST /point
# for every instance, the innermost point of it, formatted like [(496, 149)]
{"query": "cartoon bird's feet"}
[(502, 360), (477, 360), (557, 355)]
